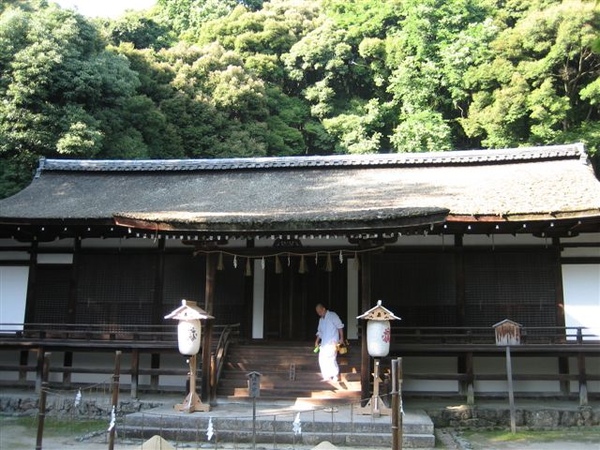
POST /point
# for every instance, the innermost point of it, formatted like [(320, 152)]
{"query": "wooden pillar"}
[(459, 274), (154, 364), (209, 287), (67, 363), (563, 361), (464, 362), (365, 359), (206, 362), (42, 405), (72, 305), (159, 282), (157, 302), (469, 382), (246, 326), (209, 298), (135, 372), (583, 393), (560, 300), (23, 362), (29, 305), (39, 373), (563, 369)]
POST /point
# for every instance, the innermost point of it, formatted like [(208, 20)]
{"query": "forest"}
[(234, 78)]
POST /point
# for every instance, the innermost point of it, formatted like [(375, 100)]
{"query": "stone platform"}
[(275, 423)]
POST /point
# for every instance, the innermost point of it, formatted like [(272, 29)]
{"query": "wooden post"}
[(401, 412), (67, 363), (42, 408), (459, 273), (206, 356), (154, 364), (511, 395), (375, 405), (39, 378), (365, 359), (115, 400), (192, 401), (563, 361), (376, 400), (23, 362), (135, 372), (213, 380), (470, 382), (563, 369), (209, 298), (396, 421), (583, 395)]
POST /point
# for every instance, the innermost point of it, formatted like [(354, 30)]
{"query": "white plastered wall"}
[(13, 296)]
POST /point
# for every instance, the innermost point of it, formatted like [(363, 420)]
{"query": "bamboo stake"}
[(42, 409), (115, 398), (511, 394)]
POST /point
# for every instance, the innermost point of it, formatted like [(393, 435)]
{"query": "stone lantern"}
[(189, 332), (378, 345)]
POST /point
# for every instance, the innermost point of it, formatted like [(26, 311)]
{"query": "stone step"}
[(288, 371), (366, 440), (338, 425)]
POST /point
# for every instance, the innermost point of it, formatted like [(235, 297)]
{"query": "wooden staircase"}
[(289, 371)]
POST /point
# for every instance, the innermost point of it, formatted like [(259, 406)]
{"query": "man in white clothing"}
[(330, 332)]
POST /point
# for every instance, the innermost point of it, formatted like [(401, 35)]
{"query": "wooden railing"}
[(486, 335), (463, 344), (97, 335), (226, 337), (88, 338)]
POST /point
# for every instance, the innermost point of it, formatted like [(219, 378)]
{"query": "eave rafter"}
[(546, 225), (373, 231)]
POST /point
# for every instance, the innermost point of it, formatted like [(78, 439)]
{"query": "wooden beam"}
[(365, 359), (135, 372), (159, 282)]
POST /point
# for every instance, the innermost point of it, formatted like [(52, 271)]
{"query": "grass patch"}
[(56, 427), (583, 434)]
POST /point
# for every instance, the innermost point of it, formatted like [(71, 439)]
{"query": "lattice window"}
[(52, 294), (520, 286), (115, 289), (418, 287)]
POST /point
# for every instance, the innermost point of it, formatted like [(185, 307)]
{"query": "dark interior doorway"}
[(291, 296)]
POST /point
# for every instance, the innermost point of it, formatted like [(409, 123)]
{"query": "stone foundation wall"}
[(544, 418), (461, 417), (60, 406)]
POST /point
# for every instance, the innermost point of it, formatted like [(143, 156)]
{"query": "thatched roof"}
[(324, 193)]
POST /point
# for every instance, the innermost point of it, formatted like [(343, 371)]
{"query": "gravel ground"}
[(14, 435)]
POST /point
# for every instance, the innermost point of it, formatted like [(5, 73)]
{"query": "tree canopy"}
[(213, 78)]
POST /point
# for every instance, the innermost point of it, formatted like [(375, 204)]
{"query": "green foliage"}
[(223, 78), (422, 131), (355, 129), (56, 65), (135, 28), (184, 15), (542, 78)]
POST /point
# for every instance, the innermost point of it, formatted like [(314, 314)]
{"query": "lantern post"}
[(378, 346), (188, 339)]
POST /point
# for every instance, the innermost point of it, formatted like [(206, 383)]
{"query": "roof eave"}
[(241, 225)]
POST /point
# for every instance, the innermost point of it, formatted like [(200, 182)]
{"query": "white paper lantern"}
[(378, 337), (188, 337)]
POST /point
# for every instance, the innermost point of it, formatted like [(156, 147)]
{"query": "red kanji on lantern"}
[(386, 337)]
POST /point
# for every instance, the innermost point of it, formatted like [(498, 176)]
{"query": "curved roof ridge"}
[(459, 157)]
